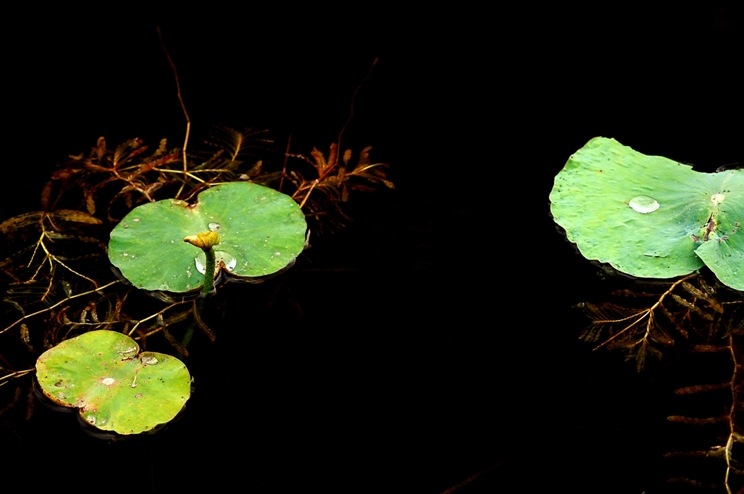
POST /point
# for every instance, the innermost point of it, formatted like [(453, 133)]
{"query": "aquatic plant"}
[(143, 211), (664, 223), (113, 385), (649, 216), (258, 231)]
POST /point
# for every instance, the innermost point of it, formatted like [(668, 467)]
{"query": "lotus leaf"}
[(261, 232), (649, 216), (114, 386)]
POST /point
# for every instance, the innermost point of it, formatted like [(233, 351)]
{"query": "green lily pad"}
[(649, 216), (114, 386), (262, 231)]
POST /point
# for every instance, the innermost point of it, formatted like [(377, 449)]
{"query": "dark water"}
[(436, 338)]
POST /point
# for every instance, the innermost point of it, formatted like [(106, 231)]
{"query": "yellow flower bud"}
[(203, 240)]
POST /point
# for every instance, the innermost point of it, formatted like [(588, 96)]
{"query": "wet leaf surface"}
[(262, 231), (650, 216), (113, 385)]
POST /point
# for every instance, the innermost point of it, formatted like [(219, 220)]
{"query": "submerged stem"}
[(206, 242)]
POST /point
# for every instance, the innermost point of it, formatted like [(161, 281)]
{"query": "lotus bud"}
[(204, 240)]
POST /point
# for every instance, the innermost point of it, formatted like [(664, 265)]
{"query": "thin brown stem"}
[(183, 107), (284, 167), (82, 294), (351, 106)]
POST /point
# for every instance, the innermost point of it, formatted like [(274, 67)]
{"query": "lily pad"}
[(114, 386), (649, 216), (262, 231)]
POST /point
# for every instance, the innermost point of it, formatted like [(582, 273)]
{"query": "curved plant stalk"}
[(183, 107), (205, 241)]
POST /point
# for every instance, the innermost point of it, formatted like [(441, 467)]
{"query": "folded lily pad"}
[(113, 385), (649, 216), (262, 231)]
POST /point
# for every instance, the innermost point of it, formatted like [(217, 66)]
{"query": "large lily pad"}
[(114, 386), (262, 231), (649, 216)]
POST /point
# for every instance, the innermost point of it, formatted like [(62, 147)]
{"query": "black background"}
[(436, 336)]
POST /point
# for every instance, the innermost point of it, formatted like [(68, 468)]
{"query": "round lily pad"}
[(113, 385), (649, 216), (261, 232)]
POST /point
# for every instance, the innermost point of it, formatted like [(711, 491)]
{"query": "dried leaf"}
[(46, 193), (20, 221), (702, 388), (320, 162), (76, 217), (364, 156), (100, 148), (332, 155), (90, 203)]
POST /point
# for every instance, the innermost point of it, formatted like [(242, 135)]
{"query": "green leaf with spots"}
[(649, 216), (262, 231), (113, 385)]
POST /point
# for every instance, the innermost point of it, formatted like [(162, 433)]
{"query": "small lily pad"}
[(114, 386), (261, 232)]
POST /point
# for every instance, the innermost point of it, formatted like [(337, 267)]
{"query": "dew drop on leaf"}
[(644, 204), (213, 227), (220, 256)]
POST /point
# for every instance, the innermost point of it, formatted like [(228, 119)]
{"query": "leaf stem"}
[(208, 286), (206, 243)]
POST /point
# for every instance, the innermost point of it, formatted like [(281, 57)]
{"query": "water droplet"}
[(149, 360), (644, 204), (91, 419), (213, 227), (219, 256), (108, 381), (126, 226), (136, 220)]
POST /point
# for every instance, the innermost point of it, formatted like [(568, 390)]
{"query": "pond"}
[(432, 340)]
